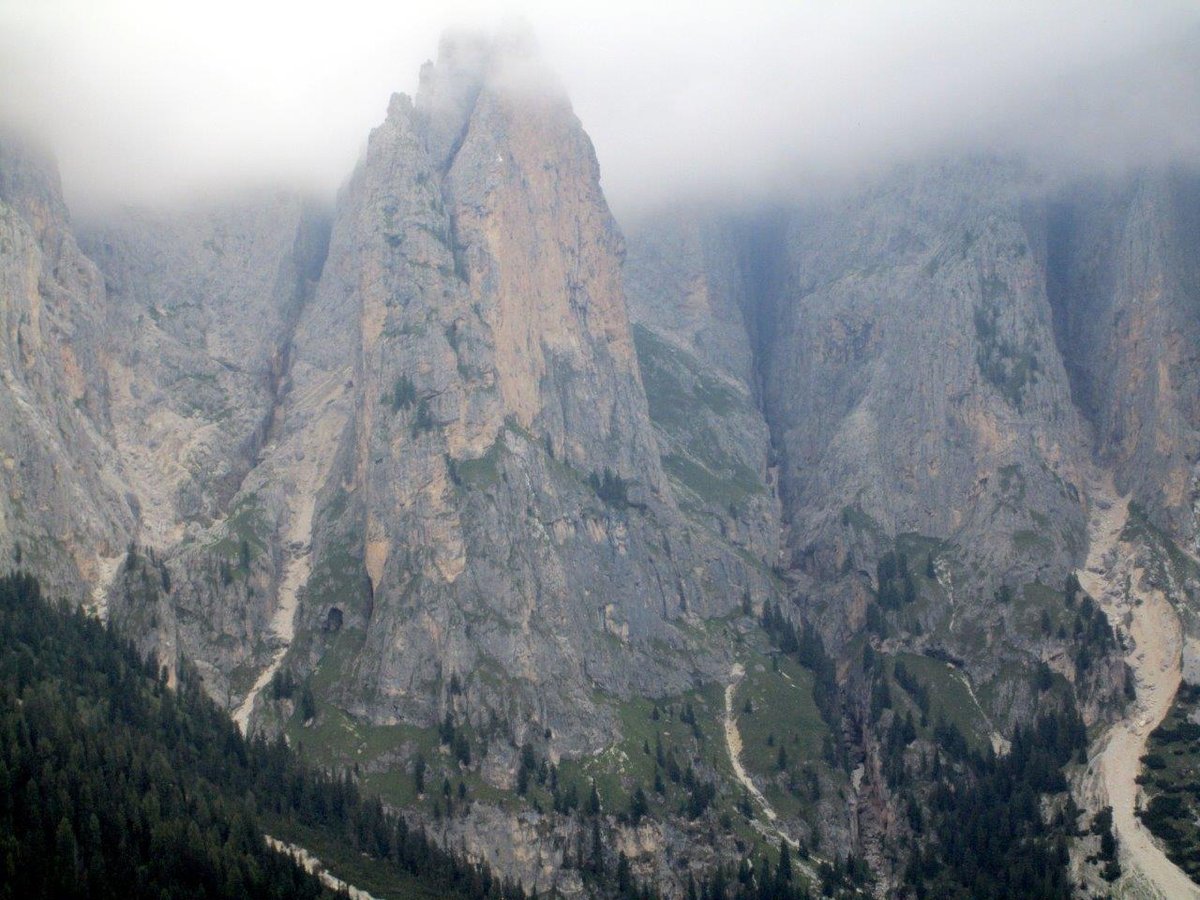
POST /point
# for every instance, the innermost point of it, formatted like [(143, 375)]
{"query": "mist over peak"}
[(146, 104)]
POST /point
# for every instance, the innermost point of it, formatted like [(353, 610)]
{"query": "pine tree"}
[(783, 872), (308, 704), (624, 878), (596, 860), (638, 806), (419, 766)]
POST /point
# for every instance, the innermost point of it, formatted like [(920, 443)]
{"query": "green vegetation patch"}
[(479, 473), (683, 398), (187, 813), (785, 742), (709, 486), (672, 750), (243, 534), (949, 696), (676, 383), (339, 578), (1030, 543), (402, 395), (1012, 482), (855, 517), (1010, 367), (1040, 611), (335, 664), (1171, 777)]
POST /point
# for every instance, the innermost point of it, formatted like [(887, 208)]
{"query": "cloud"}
[(147, 101)]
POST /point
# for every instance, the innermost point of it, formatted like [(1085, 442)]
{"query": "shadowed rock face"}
[(912, 376), (901, 346), (943, 352), (201, 306), (692, 303), (1124, 280), (940, 360), (200, 310)]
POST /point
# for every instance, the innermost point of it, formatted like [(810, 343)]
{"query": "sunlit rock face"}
[(497, 489), (420, 416)]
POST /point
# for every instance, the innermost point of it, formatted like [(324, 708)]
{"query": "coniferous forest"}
[(114, 785)]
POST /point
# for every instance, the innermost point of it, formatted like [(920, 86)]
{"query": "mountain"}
[(489, 497), (631, 559), (967, 372)]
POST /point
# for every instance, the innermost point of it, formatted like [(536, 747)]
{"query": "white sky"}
[(143, 101)]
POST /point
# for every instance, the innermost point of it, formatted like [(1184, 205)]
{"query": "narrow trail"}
[(283, 627), (733, 744), (1000, 743), (314, 866), (1110, 576), (302, 462)]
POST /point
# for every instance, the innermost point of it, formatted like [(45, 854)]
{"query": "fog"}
[(149, 102)]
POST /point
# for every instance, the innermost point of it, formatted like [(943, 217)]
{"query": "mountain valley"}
[(811, 539)]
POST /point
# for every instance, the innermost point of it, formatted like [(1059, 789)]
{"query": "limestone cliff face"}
[(1124, 280), (487, 502), (900, 346), (540, 255), (448, 448), (413, 448), (61, 511), (911, 377), (690, 299), (201, 306), (900, 341)]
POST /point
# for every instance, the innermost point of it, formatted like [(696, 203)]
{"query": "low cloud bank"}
[(147, 102)]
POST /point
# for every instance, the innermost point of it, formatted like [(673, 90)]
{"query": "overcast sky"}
[(146, 100)]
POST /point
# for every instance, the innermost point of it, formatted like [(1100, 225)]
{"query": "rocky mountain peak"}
[(29, 182), (509, 178), (468, 63)]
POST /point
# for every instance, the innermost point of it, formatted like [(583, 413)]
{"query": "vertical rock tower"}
[(487, 501)]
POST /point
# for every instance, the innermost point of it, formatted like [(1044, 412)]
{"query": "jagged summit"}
[(551, 270), (469, 62), (29, 180)]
